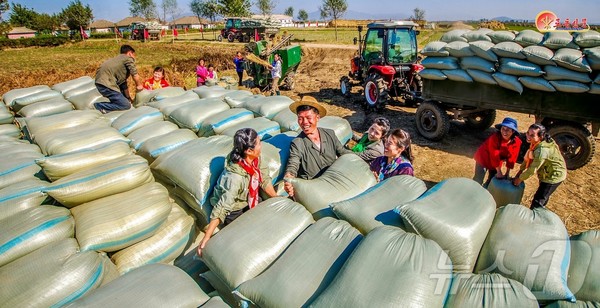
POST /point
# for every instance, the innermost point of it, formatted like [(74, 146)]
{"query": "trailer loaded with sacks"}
[(554, 76)]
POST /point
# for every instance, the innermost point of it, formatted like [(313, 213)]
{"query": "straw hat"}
[(309, 101)]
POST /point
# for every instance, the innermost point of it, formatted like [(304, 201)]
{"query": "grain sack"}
[(263, 126), (223, 120), (282, 143), (61, 120), (569, 86), (306, 267), (375, 206), (21, 196), (236, 99), (71, 140), (6, 117), (478, 35), (65, 86), (561, 73), (113, 177), (34, 98), (440, 63), (572, 59), (501, 36), (508, 82), (594, 89), (476, 63), (120, 220), (10, 130), (532, 247), (539, 55), (215, 302), (347, 177), (46, 108), (454, 35), (194, 113), (52, 276), (31, 229), (559, 39), (260, 236), (435, 49), (508, 50), (528, 38), (433, 74), (167, 110), (593, 57), (164, 246), (584, 271), (458, 224), (112, 116), (195, 167), (341, 127), (159, 145), (142, 98), (403, 273), (457, 75), (488, 290), (187, 96), (19, 167), (136, 118), (223, 291), (483, 49), (85, 100), (140, 135), (61, 165), (288, 121), (578, 304), (212, 91), (518, 67), (459, 49), (536, 83), (13, 94), (155, 285), (482, 77), (587, 39), (82, 89), (270, 106)]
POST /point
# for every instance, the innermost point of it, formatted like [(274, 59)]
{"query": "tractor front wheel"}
[(345, 85), (376, 94), (231, 37)]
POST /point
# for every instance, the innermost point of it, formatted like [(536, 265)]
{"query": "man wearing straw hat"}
[(315, 148)]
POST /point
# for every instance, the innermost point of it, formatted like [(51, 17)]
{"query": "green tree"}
[(169, 7), (21, 16), (208, 9), (76, 15), (4, 6), (142, 8), (302, 15), (265, 7), (289, 11), (47, 23), (334, 9), (237, 8)]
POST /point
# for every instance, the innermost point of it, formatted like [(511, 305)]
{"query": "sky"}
[(435, 10)]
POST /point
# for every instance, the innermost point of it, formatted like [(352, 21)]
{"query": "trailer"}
[(568, 117)]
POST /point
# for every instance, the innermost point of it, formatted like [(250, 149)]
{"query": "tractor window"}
[(238, 23), (402, 46), (229, 23), (373, 44)]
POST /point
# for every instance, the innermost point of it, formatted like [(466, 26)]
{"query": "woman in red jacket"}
[(501, 147)]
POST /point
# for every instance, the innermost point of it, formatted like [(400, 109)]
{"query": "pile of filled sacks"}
[(550, 62)]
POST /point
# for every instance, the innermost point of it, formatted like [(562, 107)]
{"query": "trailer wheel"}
[(481, 120), (432, 121), (375, 92), (576, 144), (345, 85)]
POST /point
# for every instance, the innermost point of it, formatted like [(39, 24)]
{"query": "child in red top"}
[(502, 146), (157, 81)]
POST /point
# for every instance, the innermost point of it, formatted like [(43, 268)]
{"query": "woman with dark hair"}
[(238, 188), (397, 157), (370, 145), (501, 147), (545, 159)]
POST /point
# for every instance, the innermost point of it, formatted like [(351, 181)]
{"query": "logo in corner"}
[(547, 21)]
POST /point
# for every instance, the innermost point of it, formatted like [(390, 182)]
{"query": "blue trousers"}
[(118, 100)]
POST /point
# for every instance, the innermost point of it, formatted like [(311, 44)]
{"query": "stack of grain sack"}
[(550, 62)]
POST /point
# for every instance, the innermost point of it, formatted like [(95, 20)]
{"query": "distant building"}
[(190, 22), (102, 26), (21, 32), (285, 20), (310, 24)]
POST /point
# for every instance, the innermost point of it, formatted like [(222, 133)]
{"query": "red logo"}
[(547, 21)]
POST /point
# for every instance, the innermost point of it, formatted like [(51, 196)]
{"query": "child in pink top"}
[(201, 73)]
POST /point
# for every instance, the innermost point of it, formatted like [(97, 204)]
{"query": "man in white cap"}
[(315, 148)]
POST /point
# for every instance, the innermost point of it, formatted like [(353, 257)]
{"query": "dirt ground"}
[(575, 201)]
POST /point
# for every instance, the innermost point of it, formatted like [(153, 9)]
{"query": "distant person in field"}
[(275, 68), (157, 81), (238, 188), (238, 60), (501, 148), (545, 159), (201, 73), (111, 80), (397, 158), (370, 145), (212, 73)]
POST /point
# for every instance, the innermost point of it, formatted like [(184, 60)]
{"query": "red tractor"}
[(387, 65)]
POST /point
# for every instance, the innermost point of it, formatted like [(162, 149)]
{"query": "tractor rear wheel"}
[(345, 85), (376, 94)]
